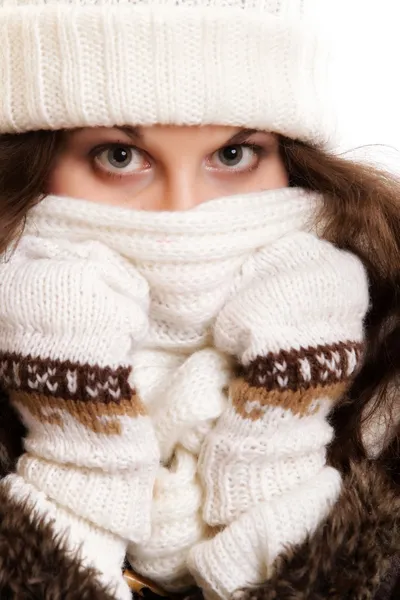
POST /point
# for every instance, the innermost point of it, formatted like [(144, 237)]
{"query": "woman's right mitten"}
[(71, 314)]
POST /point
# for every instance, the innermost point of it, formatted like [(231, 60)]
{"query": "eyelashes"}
[(118, 160)]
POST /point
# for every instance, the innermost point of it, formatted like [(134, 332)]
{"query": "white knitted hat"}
[(250, 63)]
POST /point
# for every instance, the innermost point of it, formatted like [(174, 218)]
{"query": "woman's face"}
[(166, 167)]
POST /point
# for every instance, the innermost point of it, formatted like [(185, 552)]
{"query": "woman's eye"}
[(239, 158), (121, 160)]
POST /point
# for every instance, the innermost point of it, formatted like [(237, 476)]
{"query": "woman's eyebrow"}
[(132, 132), (241, 136), (237, 138)]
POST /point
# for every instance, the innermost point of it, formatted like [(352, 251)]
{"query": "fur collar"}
[(33, 563)]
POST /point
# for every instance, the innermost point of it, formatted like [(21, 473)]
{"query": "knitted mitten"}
[(296, 327), (70, 316)]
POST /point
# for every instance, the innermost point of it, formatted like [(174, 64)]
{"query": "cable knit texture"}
[(70, 314), (75, 63), (231, 283)]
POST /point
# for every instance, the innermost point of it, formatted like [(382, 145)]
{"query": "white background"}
[(367, 35)]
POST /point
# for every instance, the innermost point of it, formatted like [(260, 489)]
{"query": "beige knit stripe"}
[(64, 379), (305, 368), (99, 417), (250, 402)]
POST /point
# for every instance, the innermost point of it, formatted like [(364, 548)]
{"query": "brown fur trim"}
[(33, 563), (350, 553), (390, 585), (12, 433)]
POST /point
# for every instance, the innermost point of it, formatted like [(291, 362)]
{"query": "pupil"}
[(120, 155), (231, 155)]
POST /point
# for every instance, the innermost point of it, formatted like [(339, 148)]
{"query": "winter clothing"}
[(80, 324), (91, 452), (277, 484), (350, 556), (175, 372), (263, 64)]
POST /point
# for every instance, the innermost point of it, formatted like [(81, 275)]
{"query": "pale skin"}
[(166, 168)]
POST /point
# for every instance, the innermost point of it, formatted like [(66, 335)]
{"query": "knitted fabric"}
[(296, 327), (265, 64), (70, 314), (198, 264), (191, 262)]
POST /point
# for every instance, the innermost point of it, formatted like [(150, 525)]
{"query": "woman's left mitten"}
[(296, 330)]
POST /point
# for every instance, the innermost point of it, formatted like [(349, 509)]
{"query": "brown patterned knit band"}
[(64, 379), (296, 380), (305, 368)]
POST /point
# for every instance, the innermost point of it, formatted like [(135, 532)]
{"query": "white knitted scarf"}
[(190, 259), (193, 262)]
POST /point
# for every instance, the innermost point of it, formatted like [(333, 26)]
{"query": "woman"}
[(209, 391)]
